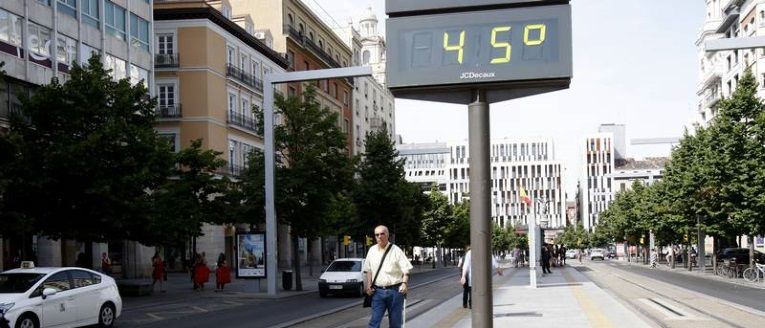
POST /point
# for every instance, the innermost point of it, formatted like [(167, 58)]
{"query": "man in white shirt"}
[(391, 285)]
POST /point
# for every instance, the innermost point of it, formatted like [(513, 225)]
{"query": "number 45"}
[(459, 47)]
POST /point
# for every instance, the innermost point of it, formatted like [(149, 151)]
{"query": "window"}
[(39, 41), (230, 55), (117, 67), (290, 19), (307, 67), (114, 20), (171, 139), (59, 282), (291, 58), (138, 74), (345, 97), (66, 51), (139, 32), (68, 7), (10, 28), (256, 69), (246, 110), (83, 278), (232, 103), (166, 95), (90, 12), (365, 57), (333, 89), (86, 52), (165, 44)]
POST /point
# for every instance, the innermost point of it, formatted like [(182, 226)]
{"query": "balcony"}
[(169, 111), (242, 121), (166, 60), (244, 77)]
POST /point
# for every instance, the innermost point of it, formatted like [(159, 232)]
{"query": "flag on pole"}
[(525, 197)]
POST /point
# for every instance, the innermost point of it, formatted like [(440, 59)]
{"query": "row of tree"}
[(82, 160), (713, 183)]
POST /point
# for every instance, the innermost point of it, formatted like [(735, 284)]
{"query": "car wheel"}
[(27, 321), (106, 315), (322, 293)]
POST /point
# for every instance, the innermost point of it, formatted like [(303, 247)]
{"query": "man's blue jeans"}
[(390, 300)]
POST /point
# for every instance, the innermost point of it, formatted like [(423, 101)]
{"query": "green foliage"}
[(85, 154), (382, 195), (437, 218), (457, 234), (193, 196)]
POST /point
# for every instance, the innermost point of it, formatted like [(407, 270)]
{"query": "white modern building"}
[(720, 71), (647, 171), (515, 164), (373, 103), (597, 172)]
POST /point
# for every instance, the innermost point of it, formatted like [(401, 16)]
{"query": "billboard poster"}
[(250, 255)]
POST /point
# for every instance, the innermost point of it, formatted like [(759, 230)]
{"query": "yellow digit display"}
[(542, 31), (457, 48), (506, 45)]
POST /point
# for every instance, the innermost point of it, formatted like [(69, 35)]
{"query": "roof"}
[(42, 270)]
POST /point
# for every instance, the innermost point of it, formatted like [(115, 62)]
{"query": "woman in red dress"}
[(201, 272), (158, 271), (222, 273)]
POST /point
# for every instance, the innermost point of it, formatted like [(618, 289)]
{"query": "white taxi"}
[(57, 297)]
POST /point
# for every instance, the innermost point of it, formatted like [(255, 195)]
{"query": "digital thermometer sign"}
[(527, 47)]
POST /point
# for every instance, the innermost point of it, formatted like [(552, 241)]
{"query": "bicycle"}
[(755, 274)]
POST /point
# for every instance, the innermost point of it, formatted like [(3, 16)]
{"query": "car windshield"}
[(345, 266), (14, 283)]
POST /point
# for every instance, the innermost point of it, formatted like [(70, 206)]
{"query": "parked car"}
[(597, 253), (740, 255), (33, 297), (343, 276), (572, 253)]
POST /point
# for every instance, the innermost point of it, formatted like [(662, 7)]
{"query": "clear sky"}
[(635, 63)]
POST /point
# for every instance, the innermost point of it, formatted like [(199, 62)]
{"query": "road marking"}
[(663, 306), (154, 316), (588, 306)]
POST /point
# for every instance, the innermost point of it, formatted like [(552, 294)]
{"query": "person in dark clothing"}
[(563, 255), (545, 259)]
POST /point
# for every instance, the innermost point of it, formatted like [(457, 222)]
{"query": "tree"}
[(313, 171), (86, 154), (382, 195), (457, 234), (193, 196), (436, 219)]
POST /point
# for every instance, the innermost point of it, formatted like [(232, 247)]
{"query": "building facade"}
[(40, 40), (646, 171), (373, 103), (597, 172), (209, 77), (515, 164), (719, 71)]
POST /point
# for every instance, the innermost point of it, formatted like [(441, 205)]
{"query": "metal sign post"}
[(268, 140)]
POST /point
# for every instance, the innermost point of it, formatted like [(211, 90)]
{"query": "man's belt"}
[(388, 287)]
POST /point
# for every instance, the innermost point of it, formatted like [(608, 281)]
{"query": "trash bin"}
[(287, 279)]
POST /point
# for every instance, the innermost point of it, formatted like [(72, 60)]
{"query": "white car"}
[(343, 276), (572, 253), (62, 297), (597, 253)]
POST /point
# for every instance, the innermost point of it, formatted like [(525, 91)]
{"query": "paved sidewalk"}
[(707, 274), (565, 298)]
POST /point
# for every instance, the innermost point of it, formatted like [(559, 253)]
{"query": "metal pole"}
[(480, 210), (533, 245), (268, 145)]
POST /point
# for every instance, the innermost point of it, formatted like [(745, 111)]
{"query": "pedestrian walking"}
[(389, 286), (563, 255), (201, 273), (466, 300), (106, 264), (545, 259), (467, 277), (158, 271), (222, 273)]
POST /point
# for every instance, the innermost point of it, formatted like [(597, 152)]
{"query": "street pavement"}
[(179, 301), (565, 298)]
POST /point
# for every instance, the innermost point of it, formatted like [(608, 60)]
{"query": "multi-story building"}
[(40, 40), (373, 103), (209, 76), (515, 164), (309, 44), (647, 171), (596, 187), (719, 71)]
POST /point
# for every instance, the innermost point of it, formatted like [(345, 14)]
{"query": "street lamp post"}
[(268, 140)]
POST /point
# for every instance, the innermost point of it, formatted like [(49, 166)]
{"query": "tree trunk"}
[(750, 241), (309, 257), (714, 254), (296, 264), (672, 256)]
